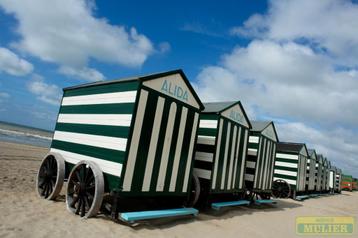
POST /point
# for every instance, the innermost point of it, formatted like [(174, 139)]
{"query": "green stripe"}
[(253, 145), (101, 130), (291, 161), (286, 168), (97, 152), (115, 108), (108, 88), (284, 176), (207, 131), (211, 116)]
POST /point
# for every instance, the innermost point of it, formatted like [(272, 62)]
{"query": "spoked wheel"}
[(85, 189), (281, 189), (194, 192), (50, 176)]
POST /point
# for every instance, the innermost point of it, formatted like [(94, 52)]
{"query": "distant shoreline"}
[(25, 126)]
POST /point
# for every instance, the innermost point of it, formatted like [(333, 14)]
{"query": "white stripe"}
[(232, 156), (272, 164), (228, 135), (202, 173), (190, 153), (96, 119), (106, 166), (178, 149), (254, 139), (107, 142), (208, 124), (266, 164), (206, 140), (252, 152), (285, 172), (166, 147), (259, 162), (243, 159), (249, 177), (204, 156), (250, 164), (289, 181), (286, 156), (285, 164), (236, 157), (132, 157), (153, 144), (217, 154), (102, 98)]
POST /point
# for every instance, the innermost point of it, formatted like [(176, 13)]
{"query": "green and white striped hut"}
[(291, 165), (311, 170), (133, 137), (319, 173), (337, 187), (261, 157), (221, 148), (325, 175)]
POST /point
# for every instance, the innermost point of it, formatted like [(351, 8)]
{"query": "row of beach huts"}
[(147, 147)]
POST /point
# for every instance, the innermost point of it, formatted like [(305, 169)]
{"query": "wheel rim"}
[(81, 190), (47, 177), (281, 189)]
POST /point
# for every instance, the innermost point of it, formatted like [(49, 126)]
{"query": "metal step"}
[(219, 205), (265, 201), (146, 215)]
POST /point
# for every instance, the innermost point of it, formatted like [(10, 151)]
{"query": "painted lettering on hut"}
[(174, 90)]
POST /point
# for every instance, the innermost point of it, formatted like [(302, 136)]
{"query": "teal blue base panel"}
[(146, 215), (265, 201), (219, 205)]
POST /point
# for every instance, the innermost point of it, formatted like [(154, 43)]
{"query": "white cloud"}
[(164, 47), (68, 33), (330, 25), (3, 97), (11, 63), (84, 73), (48, 93)]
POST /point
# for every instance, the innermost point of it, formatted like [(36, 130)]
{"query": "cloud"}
[(67, 32), (198, 28), (12, 64), (330, 25), (297, 69), (48, 93), (164, 47), (84, 73)]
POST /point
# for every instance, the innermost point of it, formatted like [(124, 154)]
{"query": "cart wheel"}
[(281, 189), (85, 189), (50, 176), (194, 192)]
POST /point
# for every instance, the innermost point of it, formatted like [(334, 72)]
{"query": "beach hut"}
[(261, 157), (221, 150), (311, 170), (133, 139), (319, 172), (325, 175), (291, 167), (346, 182), (337, 188), (332, 178)]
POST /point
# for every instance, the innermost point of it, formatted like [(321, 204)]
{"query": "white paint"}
[(285, 172), (102, 98), (217, 154), (236, 157), (97, 119), (286, 156), (132, 157), (153, 144), (202, 173), (249, 177), (228, 135), (206, 140), (254, 139), (232, 156), (106, 166), (204, 156), (208, 124), (250, 164), (285, 164), (243, 159), (107, 142), (252, 152)]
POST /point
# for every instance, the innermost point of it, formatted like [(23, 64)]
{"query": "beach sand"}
[(23, 214)]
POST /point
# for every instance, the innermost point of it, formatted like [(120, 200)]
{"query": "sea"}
[(25, 135)]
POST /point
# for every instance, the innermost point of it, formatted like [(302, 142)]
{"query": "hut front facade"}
[(338, 180), (332, 178), (261, 157), (222, 147), (319, 172), (311, 170), (291, 165), (140, 131)]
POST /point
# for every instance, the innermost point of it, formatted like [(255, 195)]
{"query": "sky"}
[(293, 62)]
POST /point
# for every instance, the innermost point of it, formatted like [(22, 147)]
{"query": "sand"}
[(23, 214)]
